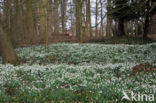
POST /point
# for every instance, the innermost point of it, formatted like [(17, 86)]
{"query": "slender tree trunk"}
[(96, 19), (101, 29), (72, 26), (6, 49), (88, 18), (109, 31), (36, 18), (56, 16), (126, 28), (63, 13), (50, 17), (136, 28), (132, 32)]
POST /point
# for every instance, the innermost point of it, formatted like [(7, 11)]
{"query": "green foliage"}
[(90, 73), (87, 54), (130, 10), (121, 9)]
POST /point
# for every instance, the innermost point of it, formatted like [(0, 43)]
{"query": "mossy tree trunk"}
[(6, 49)]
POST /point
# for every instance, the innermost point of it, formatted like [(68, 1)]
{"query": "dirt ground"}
[(152, 37)]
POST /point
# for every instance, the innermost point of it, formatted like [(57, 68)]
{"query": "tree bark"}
[(50, 23), (88, 18), (121, 27), (30, 23), (126, 27), (96, 19), (146, 24), (6, 49), (63, 13), (78, 4), (56, 16), (136, 28), (43, 20), (18, 23), (116, 33), (132, 32), (109, 31), (146, 27), (101, 29)]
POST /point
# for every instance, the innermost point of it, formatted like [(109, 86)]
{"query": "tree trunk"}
[(56, 16), (146, 27), (96, 19), (30, 23), (7, 13), (121, 27), (136, 28), (6, 49), (146, 24), (126, 27), (116, 33), (88, 19), (18, 26), (50, 23), (132, 29), (63, 13), (101, 29), (78, 4), (43, 20), (109, 31)]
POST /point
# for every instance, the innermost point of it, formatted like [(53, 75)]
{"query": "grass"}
[(77, 73)]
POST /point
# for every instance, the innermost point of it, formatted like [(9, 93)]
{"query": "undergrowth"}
[(77, 73)]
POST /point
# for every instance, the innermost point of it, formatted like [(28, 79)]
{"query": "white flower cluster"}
[(73, 66)]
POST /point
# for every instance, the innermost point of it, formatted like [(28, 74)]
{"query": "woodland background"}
[(24, 22)]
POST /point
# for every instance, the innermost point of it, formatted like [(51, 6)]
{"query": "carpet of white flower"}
[(75, 73)]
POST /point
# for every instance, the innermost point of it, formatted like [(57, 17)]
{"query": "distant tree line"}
[(136, 13)]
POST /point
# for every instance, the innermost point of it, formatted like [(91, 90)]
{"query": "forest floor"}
[(79, 73), (125, 40)]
